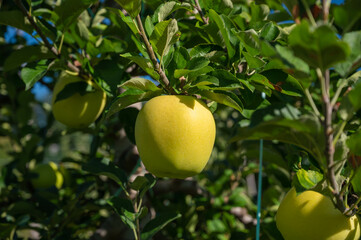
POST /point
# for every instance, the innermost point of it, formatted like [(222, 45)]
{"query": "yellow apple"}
[(77, 111), (47, 175), (312, 216), (175, 136)]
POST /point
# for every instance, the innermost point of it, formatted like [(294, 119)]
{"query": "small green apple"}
[(47, 175)]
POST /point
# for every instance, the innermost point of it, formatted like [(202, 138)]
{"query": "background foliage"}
[(228, 53)]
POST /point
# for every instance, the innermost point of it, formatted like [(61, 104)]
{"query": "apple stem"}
[(70, 65), (162, 77)]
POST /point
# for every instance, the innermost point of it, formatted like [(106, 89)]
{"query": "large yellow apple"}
[(175, 136), (77, 111), (312, 216), (47, 175)]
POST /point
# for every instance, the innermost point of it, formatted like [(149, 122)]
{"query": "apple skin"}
[(77, 111), (312, 216), (175, 136), (48, 175)]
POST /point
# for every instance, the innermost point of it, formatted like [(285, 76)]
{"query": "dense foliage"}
[(282, 71)]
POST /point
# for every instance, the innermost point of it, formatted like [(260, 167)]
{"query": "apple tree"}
[(280, 78)]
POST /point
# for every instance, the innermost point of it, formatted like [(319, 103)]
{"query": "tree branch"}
[(42, 36), (325, 9), (199, 9), (152, 56), (328, 133)]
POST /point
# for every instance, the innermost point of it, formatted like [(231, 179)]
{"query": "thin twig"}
[(162, 77), (325, 9), (312, 103), (199, 9), (337, 93), (309, 13), (42, 36)]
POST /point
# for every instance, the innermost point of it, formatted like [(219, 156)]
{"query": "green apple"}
[(77, 111), (312, 216), (46, 176), (175, 136)]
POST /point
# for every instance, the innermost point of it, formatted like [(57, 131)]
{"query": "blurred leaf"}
[(129, 97), (259, 12), (356, 181), (107, 169), (33, 72), (353, 142), (351, 103), (347, 15), (7, 230), (352, 62), (318, 47), (309, 178), (289, 56), (69, 10), (26, 54), (127, 118), (165, 34), (156, 224), (16, 19), (132, 7)]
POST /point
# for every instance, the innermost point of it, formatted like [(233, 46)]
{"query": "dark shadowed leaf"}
[(106, 168), (156, 224)]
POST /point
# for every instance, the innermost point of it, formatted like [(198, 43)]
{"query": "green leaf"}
[(283, 82), (70, 10), (308, 179), (16, 19), (289, 56), (149, 26), (156, 224), (353, 39), (253, 62), (106, 168), (220, 6), (319, 47), (270, 31), (142, 62), (226, 98), (167, 8), (108, 74), (128, 20), (73, 88), (259, 12), (124, 208), (356, 181), (143, 184), (127, 119), (129, 97), (7, 230), (286, 125), (351, 103), (249, 40), (224, 26), (165, 34), (353, 142), (141, 84), (132, 7), (33, 72), (205, 50), (26, 54)]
